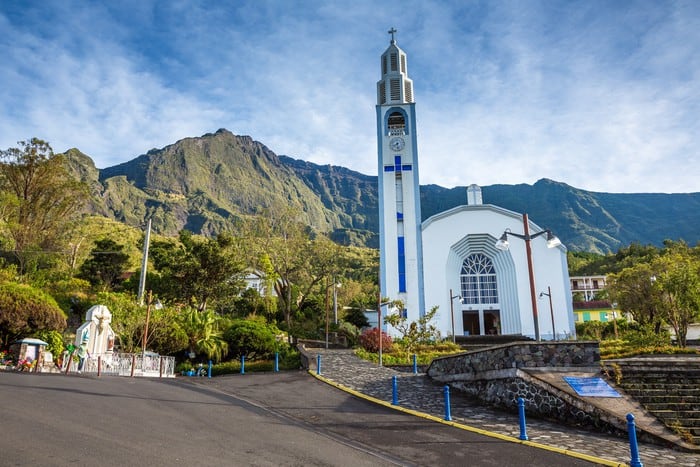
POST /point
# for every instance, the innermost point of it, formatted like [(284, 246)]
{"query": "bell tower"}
[(400, 246)]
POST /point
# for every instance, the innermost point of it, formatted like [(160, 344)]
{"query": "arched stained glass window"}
[(478, 279)]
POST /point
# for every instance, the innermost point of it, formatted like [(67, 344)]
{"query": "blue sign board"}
[(591, 387)]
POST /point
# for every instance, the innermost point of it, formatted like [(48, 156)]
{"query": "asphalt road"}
[(259, 419)]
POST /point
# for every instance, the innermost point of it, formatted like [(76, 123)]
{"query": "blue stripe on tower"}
[(402, 265)]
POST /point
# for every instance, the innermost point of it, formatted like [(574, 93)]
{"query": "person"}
[(82, 355)]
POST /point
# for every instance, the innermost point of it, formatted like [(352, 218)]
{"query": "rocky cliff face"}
[(204, 184)]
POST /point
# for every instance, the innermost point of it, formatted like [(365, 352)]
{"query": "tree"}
[(39, 199), (197, 270), (633, 289), (25, 310), (106, 264), (285, 245), (678, 281), (356, 316), (204, 332)]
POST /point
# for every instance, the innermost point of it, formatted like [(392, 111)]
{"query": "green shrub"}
[(357, 317), (24, 310), (395, 356), (590, 330), (54, 339), (350, 332), (288, 360), (646, 337), (251, 337)]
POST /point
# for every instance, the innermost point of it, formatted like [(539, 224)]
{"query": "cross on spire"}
[(392, 31)]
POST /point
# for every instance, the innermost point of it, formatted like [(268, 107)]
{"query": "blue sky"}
[(601, 95)]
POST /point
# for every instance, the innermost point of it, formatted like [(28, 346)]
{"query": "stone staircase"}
[(668, 387)]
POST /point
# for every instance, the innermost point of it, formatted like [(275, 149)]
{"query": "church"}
[(487, 269)]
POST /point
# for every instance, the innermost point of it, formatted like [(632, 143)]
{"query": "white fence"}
[(124, 364)]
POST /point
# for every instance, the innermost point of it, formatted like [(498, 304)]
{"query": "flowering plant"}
[(25, 364), (5, 357)]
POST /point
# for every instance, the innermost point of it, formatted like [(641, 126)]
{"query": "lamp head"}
[(552, 240), (502, 243)]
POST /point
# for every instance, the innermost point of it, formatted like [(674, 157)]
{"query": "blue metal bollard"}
[(521, 415), (318, 364), (242, 364), (277, 361), (635, 461), (415, 364), (448, 414), (394, 391), (209, 370)]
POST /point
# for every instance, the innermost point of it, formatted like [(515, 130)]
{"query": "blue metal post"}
[(521, 415), (242, 364), (277, 361), (394, 391), (209, 370), (635, 461), (415, 364), (448, 414), (318, 364)]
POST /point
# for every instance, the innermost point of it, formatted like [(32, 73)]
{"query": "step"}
[(676, 406), (672, 419), (684, 391), (669, 379)]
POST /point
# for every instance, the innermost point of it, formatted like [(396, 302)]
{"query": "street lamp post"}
[(552, 241), (452, 313), (335, 303), (548, 293)]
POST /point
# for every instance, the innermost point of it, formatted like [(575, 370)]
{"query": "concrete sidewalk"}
[(419, 393)]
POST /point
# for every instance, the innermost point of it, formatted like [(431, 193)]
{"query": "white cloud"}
[(603, 97)]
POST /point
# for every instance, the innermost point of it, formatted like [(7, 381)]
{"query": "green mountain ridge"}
[(204, 184)]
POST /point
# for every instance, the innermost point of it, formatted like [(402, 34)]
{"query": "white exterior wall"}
[(450, 236)]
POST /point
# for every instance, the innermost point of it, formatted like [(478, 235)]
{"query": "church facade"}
[(452, 260)]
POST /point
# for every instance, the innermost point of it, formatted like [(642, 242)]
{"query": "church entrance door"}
[(481, 322), (479, 295)]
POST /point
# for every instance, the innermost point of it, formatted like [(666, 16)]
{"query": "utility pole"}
[(144, 264)]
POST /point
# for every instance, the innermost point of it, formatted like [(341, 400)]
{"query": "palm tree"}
[(204, 333)]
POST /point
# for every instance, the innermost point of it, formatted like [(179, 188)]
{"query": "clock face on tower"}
[(397, 143)]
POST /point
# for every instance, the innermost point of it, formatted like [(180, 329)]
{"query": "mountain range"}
[(204, 184)]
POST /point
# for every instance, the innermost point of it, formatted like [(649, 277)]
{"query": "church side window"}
[(478, 280), (394, 62)]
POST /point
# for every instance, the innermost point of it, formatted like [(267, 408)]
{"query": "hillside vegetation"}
[(206, 184)]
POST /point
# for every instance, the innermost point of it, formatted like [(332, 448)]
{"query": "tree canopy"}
[(38, 199), (197, 270), (25, 310)]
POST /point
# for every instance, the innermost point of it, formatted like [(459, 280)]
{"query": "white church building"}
[(472, 261)]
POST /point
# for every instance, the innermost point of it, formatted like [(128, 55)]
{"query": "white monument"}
[(96, 331)]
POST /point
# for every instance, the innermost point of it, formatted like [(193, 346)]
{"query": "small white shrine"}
[(96, 331)]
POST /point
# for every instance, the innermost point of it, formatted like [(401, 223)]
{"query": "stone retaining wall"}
[(541, 399), (479, 364), (499, 376)]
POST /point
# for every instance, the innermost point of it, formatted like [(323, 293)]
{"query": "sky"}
[(603, 95)]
